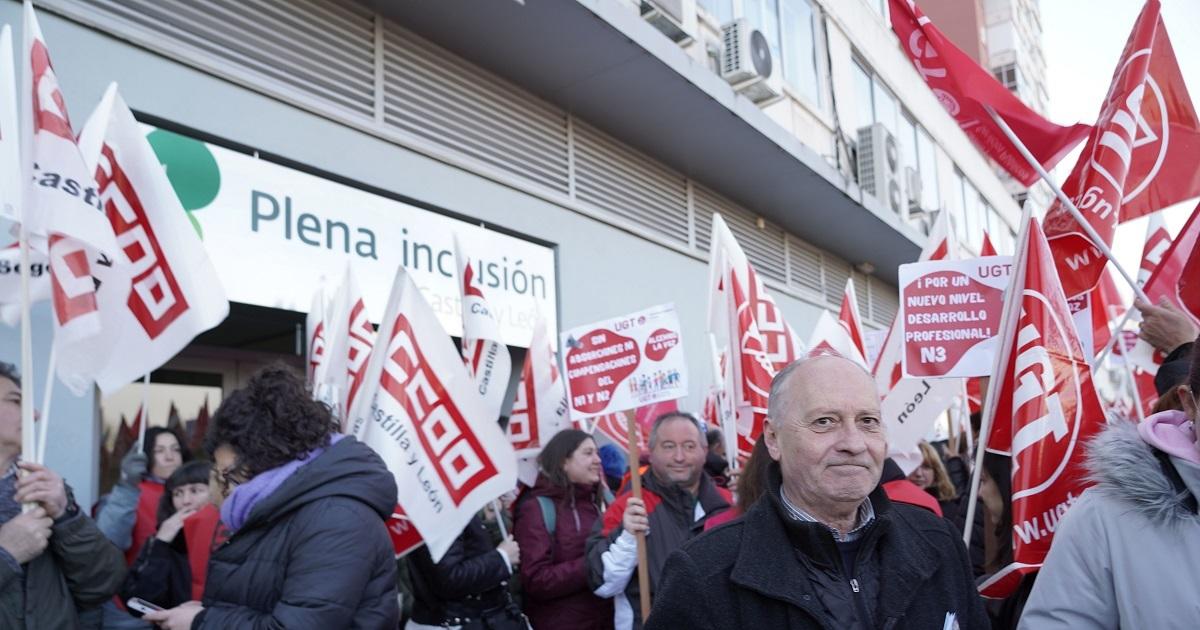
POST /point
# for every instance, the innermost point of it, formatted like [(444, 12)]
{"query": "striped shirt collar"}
[(866, 514)]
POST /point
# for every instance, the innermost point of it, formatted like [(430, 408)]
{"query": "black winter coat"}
[(313, 554), (912, 571), (469, 582), (160, 574)]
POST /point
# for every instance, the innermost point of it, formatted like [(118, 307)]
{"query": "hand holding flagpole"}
[(635, 478)]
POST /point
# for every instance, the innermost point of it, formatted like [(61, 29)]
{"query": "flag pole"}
[(635, 478), (1008, 322), (722, 412), (1133, 387), (28, 434), (145, 413), (499, 519), (47, 396), (1097, 242)]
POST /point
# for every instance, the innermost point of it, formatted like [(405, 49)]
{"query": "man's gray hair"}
[(676, 415), (775, 397)]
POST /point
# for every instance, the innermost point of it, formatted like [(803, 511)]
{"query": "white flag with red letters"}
[(487, 358), (350, 339), (540, 409), (315, 324), (421, 413), (160, 290), (748, 326)]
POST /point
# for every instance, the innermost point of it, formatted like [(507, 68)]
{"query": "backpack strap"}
[(549, 515)]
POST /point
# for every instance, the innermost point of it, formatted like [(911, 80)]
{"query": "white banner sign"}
[(624, 363), (273, 232), (950, 315)]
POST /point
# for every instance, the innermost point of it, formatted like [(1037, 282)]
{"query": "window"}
[(863, 97), (763, 15), (1007, 76), (878, 5), (886, 109), (799, 48), (927, 164), (721, 10), (973, 217), (958, 206)]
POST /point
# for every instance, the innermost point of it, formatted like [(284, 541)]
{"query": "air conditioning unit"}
[(912, 189), (746, 63), (671, 17), (879, 167)]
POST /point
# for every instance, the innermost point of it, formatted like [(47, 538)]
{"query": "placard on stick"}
[(950, 315)]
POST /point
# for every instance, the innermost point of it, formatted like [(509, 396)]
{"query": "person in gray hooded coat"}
[(1127, 553)]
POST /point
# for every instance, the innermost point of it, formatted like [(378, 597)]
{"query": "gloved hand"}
[(133, 468)]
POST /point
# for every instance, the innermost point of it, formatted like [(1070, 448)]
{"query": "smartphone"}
[(142, 606)]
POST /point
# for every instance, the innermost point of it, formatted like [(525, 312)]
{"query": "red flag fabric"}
[(844, 335), (1046, 409), (1158, 241), (1100, 178), (1170, 279), (1163, 169), (964, 88), (1107, 309), (987, 249)]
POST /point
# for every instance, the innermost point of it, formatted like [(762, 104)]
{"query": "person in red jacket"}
[(552, 522)]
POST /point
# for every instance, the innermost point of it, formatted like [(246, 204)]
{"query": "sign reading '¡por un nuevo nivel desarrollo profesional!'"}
[(625, 362), (273, 232), (950, 315)]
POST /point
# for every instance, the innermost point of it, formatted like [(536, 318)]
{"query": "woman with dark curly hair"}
[(304, 508)]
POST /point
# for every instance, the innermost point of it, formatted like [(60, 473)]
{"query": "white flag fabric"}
[(11, 181), (314, 334), (487, 358), (540, 409), (351, 337), (843, 335), (425, 419), (748, 327), (160, 290), (61, 195)]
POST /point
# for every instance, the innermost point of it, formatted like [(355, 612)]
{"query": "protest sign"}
[(950, 313), (625, 362)]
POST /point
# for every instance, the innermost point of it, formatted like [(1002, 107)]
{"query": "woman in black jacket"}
[(468, 587), (304, 508), (162, 574)]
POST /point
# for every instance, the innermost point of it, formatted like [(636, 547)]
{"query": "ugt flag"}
[(160, 290), (425, 419), (540, 409), (1045, 409), (844, 335), (487, 358), (1099, 182), (964, 88), (748, 327)]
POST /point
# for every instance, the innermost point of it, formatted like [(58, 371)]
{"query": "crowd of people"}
[(283, 526)]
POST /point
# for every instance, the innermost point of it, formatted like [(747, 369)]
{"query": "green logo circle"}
[(191, 169)]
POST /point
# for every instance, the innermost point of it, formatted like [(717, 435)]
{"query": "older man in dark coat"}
[(824, 548)]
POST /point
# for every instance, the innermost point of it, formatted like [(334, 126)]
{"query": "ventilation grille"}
[(615, 178), (430, 93)]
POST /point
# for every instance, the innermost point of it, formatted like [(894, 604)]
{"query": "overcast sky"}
[(1082, 40)]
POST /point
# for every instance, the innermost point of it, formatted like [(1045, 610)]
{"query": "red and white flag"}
[(749, 327), (351, 337), (315, 331), (615, 427), (1169, 281), (1158, 241), (61, 195), (1103, 176), (421, 413), (844, 335), (964, 88), (159, 290), (1045, 408), (483, 349), (540, 409)]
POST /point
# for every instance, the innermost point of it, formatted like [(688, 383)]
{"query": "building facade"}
[(592, 140)]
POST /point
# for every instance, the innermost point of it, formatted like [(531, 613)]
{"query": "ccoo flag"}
[(425, 419), (159, 290), (540, 409), (1045, 408), (964, 88), (487, 358)]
